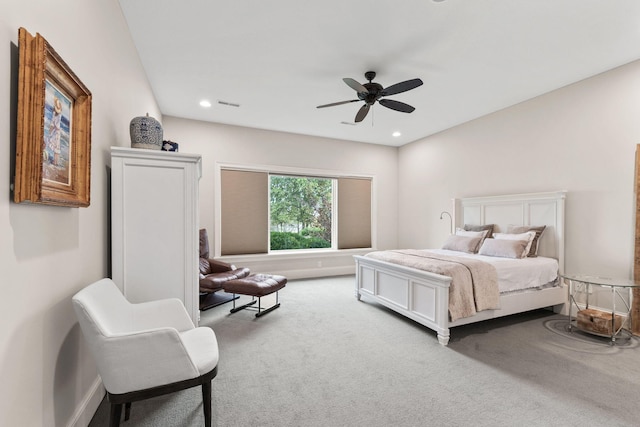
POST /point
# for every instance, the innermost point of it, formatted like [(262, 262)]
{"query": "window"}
[(300, 212), (268, 211)]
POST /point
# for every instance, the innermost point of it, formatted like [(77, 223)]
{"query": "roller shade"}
[(354, 213), (245, 217)]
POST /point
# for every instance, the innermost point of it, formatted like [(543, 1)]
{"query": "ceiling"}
[(279, 59)]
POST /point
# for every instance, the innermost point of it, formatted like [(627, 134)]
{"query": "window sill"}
[(295, 254)]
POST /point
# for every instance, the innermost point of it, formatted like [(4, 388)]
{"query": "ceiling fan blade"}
[(355, 85), (362, 113), (401, 87), (396, 105), (337, 103)]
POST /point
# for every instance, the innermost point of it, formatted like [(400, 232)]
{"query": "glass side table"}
[(610, 322)]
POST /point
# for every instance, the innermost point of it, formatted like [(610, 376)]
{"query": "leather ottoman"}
[(256, 286)]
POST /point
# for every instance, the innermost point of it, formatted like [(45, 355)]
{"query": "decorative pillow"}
[(504, 248), (480, 233), (533, 251), (528, 237), (462, 244), (467, 233), (488, 227)]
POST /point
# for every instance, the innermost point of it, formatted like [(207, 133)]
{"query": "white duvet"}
[(515, 274)]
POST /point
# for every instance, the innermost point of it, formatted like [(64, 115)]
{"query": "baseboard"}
[(318, 272), (89, 405)]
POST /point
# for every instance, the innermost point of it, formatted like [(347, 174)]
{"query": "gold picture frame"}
[(53, 142)]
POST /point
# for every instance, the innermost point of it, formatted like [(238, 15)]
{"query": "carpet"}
[(325, 359)]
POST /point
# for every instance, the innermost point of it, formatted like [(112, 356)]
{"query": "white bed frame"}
[(424, 297)]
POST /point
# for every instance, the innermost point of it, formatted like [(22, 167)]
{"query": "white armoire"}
[(154, 225)]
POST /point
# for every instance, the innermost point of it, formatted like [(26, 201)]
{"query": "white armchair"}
[(144, 350)]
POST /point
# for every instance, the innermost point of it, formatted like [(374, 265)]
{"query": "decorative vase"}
[(169, 146), (146, 132)]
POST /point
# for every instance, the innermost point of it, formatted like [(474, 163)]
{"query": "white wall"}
[(230, 144), (49, 253), (581, 138)]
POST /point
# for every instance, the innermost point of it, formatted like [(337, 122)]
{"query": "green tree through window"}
[(300, 212)]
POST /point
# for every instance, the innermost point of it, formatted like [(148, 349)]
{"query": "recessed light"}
[(396, 134), (204, 103)]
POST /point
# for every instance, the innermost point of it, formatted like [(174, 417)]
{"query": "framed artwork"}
[(53, 144)]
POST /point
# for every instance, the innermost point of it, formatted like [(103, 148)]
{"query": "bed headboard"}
[(519, 209)]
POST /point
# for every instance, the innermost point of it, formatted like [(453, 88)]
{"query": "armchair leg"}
[(206, 402), (127, 411), (115, 414), (117, 400)]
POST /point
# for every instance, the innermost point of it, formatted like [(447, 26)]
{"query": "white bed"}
[(424, 297)]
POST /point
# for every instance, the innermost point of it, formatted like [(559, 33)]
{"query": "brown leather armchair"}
[(214, 273)]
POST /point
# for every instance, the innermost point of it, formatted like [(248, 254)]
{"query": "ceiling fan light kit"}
[(372, 92)]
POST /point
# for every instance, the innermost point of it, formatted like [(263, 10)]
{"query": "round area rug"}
[(583, 341)]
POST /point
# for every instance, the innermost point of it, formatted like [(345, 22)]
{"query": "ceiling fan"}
[(372, 92)]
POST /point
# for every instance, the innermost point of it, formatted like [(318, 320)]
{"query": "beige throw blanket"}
[(474, 284)]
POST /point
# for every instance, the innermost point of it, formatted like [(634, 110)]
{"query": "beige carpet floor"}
[(325, 359)]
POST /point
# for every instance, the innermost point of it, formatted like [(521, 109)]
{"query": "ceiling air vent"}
[(229, 104)]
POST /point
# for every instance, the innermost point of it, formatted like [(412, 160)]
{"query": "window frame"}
[(334, 214), (292, 171)]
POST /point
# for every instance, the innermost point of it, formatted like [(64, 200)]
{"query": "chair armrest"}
[(220, 266), (144, 359), (164, 313)]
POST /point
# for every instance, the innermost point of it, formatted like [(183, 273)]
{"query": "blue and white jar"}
[(146, 132)]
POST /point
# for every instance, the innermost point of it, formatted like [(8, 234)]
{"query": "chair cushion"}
[(205, 266), (213, 282), (202, 347), (204, 243)]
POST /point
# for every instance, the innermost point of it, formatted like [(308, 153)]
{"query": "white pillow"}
[(528, 237), (504, 248)]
